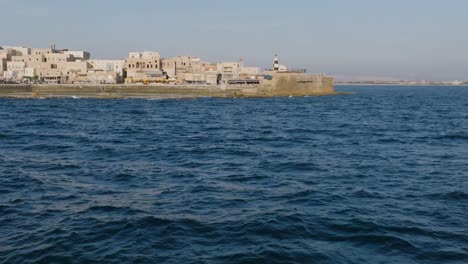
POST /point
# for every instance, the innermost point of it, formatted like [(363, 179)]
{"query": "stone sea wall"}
[(115, 91), (297, 84), (281, 84)]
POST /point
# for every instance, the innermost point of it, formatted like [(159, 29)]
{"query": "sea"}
[(377, 176)]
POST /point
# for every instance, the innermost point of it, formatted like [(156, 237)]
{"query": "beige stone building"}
[(17, 51), (169, 67), (48, 65), (181, 64), (237, 71), (6, 54), (64, 66), (4, 57), (36, 51), (186, 69), (249, 72), (3, 67), (143, 67), (189, 69)]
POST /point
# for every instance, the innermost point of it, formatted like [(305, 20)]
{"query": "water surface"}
[(375, 177)]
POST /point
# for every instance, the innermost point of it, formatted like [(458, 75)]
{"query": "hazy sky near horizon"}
[(350, 39)]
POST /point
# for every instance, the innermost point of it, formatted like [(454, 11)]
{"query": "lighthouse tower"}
[(276, 65)]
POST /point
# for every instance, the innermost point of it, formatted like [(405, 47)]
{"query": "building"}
[(249, 72), (43, 64), (107, 65), (108, 68), (169, 67), (209, 78), (49, 65), (97, 77), (187, 69), (143, 67), (3, 67), (30, 73), (229, 70), (17, 51), (64, 66), (78, 55), (236, 73), (191, 70), (36, 51), (15, 69), (4, 57), (177, 66), (6, 54)]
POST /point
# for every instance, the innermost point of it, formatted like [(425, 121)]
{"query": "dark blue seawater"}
[(380, 176)]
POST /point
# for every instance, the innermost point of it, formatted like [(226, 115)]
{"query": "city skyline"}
[(351, 41)]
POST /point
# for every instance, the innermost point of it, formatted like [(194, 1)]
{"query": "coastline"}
[(399, 84), (19, 91), (279, 85)]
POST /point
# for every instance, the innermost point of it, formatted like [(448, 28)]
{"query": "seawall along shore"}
[(114, 91), (280, 85)]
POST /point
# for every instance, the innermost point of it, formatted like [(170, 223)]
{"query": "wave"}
[(450, 196), (386, 243), (452, 136), (109, 209)]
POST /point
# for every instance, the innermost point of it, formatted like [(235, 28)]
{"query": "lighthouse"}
[(276, 65)]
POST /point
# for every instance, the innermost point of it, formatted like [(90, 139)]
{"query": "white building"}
[(106, 71), (229, 70), (116, 66), (15, 69), (29, 72)]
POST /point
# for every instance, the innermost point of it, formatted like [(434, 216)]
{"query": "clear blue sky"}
[(402, 39)]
